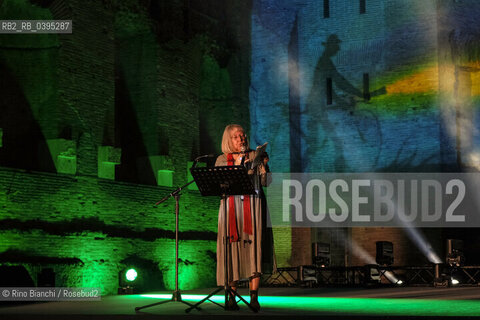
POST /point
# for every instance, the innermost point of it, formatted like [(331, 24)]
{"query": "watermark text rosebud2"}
[(374, 199)]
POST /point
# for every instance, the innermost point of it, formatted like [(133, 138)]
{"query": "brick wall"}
[(130, 76), (101, 222), (86, 73)]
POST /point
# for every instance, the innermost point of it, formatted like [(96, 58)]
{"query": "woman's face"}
[(238, 139)]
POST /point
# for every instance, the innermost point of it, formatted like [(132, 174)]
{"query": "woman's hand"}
[(264, 164), (265, 159), (238, 161)]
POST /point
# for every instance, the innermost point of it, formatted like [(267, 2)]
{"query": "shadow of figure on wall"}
[(23, 144), (129, 138), (324, 146)]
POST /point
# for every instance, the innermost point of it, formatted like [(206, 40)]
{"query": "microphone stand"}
[(176, 295)]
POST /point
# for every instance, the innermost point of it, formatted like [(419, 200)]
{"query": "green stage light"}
[(355, 306), (127, 279), (131, 274)]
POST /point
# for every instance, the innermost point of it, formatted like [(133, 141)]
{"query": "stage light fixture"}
[(372, 275), (321, 254), (441, 279), (454, 281), (307, 275), (454, 256), (127, 278), (399, 282)]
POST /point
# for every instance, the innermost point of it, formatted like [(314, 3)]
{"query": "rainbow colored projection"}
[(393, 89)]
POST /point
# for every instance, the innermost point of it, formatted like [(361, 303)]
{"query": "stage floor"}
[(341, 303)]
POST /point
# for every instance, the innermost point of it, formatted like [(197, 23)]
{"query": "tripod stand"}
[(224, 181), (176, 295)]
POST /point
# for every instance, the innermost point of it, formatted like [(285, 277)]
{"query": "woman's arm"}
[(263, 169)]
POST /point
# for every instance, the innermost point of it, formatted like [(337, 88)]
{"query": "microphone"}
[(243, 155)]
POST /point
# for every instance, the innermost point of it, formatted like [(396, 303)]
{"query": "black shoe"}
[(232, 303), (254, 300)]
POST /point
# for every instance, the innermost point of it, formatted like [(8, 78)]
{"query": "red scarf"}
[(247, 217)]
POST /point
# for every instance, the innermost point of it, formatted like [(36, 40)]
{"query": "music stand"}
[(223, 181)]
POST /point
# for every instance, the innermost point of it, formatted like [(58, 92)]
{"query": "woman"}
[(246, 219)]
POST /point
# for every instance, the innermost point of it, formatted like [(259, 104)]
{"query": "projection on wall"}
[(393, 88)]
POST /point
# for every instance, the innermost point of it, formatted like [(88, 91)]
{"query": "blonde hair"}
[(226, 139)]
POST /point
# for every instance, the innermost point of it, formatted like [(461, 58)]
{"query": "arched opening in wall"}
[(23, 143), (15, 276)]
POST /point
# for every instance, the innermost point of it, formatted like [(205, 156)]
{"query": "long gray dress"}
[(246, 254)]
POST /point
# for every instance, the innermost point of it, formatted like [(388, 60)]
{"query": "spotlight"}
[(127, 278), (440, 279), (131, 275), (321, 254), (457, 276), (384, 253), (372, 275), (399, 282)]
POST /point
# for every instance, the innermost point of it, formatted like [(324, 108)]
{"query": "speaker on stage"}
[(306, 275), (321, 254), (455, 255), (384, 253)]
